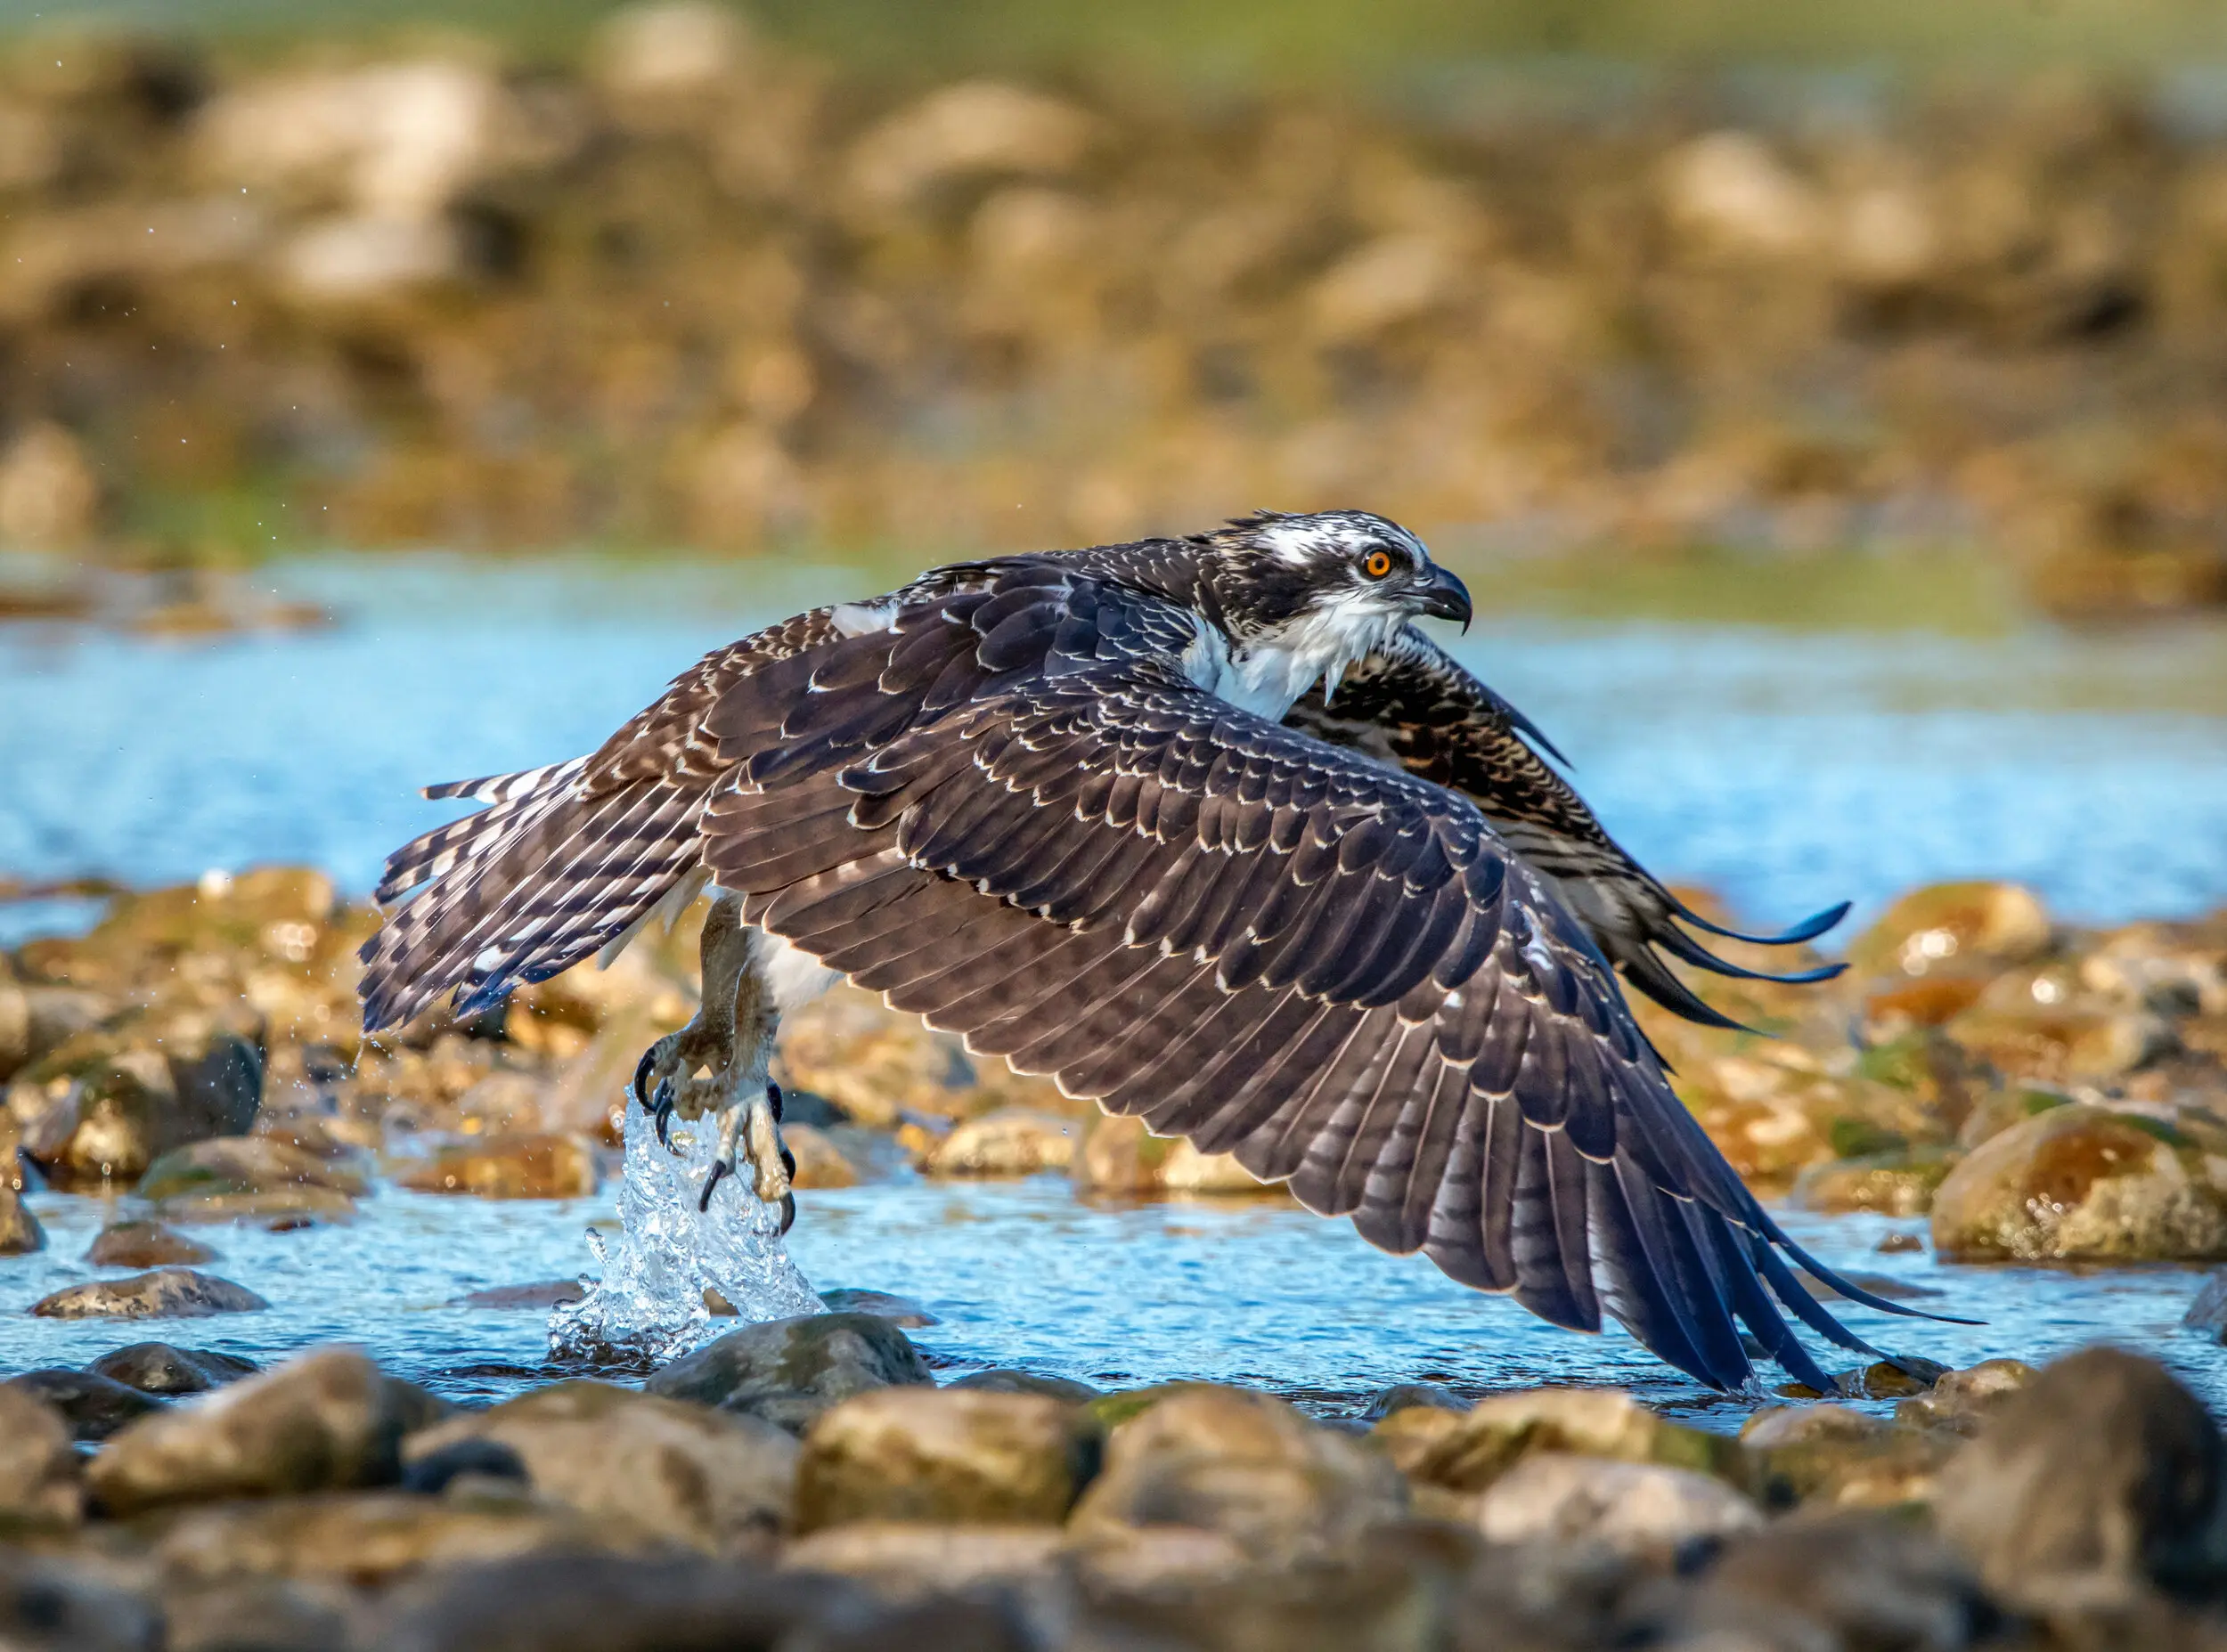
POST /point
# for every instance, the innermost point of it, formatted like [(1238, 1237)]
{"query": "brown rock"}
[(371, 1538), (146, 1244), (2102, 1478), (2067, 1044), (1001, 1381), (1959, 1401), (2082, 1184), (165, 1293), (1243, 1466), (904, 1559), (1010, 1142), (1119, 1156), (251, 1177), (329, 1420), (1900, 1183), (943, 1455), (819, 1162), (1468, 1450), (38, 1465), (509, 1166), (1630, 1506), (659, 1467), (59, 1603), (504, 1298), (20, 1230), (1948, 927), (1831, 1455)]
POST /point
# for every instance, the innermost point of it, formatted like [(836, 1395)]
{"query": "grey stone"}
[(901, 1311), (158, 1368), (146, 1244), (789, 1372), (20, 1230), (2102, 1478), (1002, 1381), (49, 1604), (1639, 1507), (165, 1293), (1406, 1396)]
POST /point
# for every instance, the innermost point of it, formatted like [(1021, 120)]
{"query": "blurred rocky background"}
[(682, 276)]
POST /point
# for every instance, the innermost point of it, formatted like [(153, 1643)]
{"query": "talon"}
[(788, 1211), (773, 1100), (704, 1199), (788, 1162), (662, 1113), (642, 1076)]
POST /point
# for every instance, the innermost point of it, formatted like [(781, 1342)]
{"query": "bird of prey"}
[(1207, 830)]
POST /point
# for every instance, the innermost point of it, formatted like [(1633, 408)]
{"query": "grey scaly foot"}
[(750, 1132)]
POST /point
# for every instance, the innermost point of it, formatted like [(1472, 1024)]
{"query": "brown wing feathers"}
[(1377, 1003)]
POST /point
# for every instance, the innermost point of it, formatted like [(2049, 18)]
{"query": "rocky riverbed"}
[(189, 1105), (692, 286)]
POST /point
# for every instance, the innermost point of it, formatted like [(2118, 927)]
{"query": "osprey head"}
[(1278, 569), (1301, 598)]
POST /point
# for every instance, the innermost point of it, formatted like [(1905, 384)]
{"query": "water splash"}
[(672, 1264)]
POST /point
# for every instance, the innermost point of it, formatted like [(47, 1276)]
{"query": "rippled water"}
[(1787, 768)]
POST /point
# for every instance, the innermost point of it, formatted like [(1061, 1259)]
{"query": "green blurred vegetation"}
[(1287, 39)]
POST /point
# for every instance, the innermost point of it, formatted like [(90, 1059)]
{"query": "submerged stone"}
[(158, 1368), (95, 1405), (146, 1244), (900, 1311)]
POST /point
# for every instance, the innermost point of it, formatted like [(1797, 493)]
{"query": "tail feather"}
[(545, 876)]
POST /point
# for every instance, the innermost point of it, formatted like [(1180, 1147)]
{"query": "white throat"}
[(1266, 674)]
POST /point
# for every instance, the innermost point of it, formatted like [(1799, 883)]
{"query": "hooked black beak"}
[(1446, 598)]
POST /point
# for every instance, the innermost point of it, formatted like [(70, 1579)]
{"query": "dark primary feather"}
[(1413, 704), (1009, 812)]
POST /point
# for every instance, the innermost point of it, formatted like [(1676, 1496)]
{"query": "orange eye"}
[(1378, 563)]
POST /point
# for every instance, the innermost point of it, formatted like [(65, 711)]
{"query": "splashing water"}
[(673, 1263)]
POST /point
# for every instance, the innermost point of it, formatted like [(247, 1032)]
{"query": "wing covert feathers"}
[(1006, 809)]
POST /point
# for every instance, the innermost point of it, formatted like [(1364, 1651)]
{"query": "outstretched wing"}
[(1413, 704), (1011, 813)]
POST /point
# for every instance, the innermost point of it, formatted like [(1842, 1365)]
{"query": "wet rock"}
[(158, 1368), (1010, 1142), (2103, 1477), (820, 1163), (165, 1293), (122, 1093), (96, 1406), (904, 1559), (2208, 1312), (1243, 1466), (590, 1602), (508, 1298), (789, 1370), (2082, 1184), (329, 1420), (1637, 1507), (2001, 1109), (48, 1604), (1959, 1401), (35, 1020), (524, 1165), (902, 1311), (1409, 1395), (1122, 1156), (1468, 1450), (656, 1466), (945, 1455), (1899, 1182), (1954, 927), (371, 1538), (1900, 1245), (434, 1470), (20, 1230), (146, 1244), (39, 1466), (250, 1179), (2059, 1043), (1004, 1381)]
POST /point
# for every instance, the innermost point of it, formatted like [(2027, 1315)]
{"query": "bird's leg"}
[(718, 1062), (687, 1071)]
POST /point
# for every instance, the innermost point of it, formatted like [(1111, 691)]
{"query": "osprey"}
[(1210, 832)]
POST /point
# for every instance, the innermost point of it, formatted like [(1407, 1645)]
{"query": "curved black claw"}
[(704, 1199), (773, 1100), (788, 1211), (642, 1076), (788, 1162), (662, 1113)]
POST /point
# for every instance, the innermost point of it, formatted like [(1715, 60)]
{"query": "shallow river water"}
[(1786, 768)]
